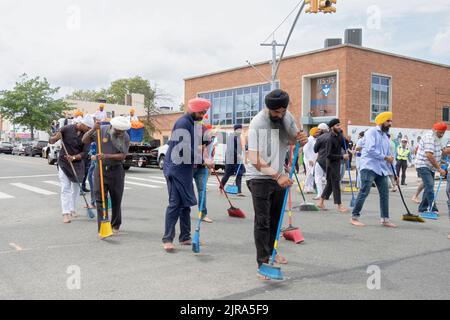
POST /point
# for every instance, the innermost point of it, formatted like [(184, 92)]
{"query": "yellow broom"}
[(105, 225)]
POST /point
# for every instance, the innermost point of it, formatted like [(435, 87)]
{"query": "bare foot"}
[(169, 247), (415, 199), (74, 215), (280, 259), (388, 224), (207, 220), (261, 277), (343, 210), (356, 223), (321, 206), (66, 218)]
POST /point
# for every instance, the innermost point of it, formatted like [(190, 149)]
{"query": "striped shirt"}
[(429, 143)]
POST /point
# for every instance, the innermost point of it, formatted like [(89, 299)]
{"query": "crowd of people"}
[(260, 155)]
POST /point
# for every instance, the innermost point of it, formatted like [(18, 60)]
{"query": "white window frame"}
[(391, 84)]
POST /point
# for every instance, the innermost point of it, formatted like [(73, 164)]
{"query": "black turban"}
[(333, 122), (277, 99)]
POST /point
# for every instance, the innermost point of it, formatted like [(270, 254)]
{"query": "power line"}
[(276, 29)]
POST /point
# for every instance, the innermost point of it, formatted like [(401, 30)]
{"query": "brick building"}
[(347, 81)]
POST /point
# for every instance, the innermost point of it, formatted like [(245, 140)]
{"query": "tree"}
[(119, 88), (88, 95), (31, 104)]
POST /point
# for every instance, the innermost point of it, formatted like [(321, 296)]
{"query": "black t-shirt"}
[(72, 139)]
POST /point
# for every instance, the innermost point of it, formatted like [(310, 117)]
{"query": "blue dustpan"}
[(429, 215), (270, 271), (233, 189)]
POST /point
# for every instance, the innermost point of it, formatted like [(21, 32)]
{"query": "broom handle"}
[(74, 172), (436, 194), (280, 223), (300, 187), (100, 162), (220, 183), (348, 168), (290, 190), (203, 196), (400, 190)]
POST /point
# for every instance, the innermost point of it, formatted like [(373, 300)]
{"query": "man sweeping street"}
[(270, 133), (321, 162), (431, 149), (178, 171), (71, 135), (375, 166), (115, 142), (334, 156), (234, 160)]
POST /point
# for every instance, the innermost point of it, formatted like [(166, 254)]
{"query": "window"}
[(381, 96), (236, 106), (445, 114)]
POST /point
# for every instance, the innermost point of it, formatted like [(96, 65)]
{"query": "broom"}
[(196, 240), (90, 213), (353, 201), (105, 225), (430, 214), (232, 211), (409, 216), (305, 206)]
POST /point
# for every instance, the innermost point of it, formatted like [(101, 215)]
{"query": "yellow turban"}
[(313, 131), (133, 110), (383, 117)]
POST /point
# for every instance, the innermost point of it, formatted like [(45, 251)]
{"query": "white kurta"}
[(309, 159)]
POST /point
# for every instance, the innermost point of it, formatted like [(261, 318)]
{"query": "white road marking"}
[(33, 189), (143, 185), (148, 180), (5, 196), (15, 246), (54, 183), (35, 176)]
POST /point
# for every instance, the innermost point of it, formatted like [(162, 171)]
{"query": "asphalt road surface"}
[(41, 258)]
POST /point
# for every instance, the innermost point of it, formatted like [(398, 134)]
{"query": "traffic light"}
[(326, 6), (313, 6)]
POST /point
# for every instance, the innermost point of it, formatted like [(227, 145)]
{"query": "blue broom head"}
[(429, 215), (270, 271), (231, 189), (90, 213), (196, 242)]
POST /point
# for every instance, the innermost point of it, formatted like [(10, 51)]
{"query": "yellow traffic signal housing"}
[(326, 6), (313, 6)]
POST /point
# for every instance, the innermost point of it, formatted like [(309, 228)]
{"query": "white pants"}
[(69, 193), (309, 182), (320, 178)]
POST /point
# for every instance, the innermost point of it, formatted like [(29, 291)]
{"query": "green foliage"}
[(30, 103)]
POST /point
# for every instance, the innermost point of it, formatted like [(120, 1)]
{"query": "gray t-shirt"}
[(271, 140), (110, 145)]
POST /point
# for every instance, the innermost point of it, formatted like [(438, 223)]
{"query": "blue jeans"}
[(448, 192), (91, 181), (200, 174), (427, 177), (367, 178)]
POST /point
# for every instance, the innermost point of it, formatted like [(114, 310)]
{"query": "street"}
[(38, 253)]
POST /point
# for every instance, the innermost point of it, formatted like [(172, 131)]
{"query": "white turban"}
[(88, 121), (121, 123), (323, 127)]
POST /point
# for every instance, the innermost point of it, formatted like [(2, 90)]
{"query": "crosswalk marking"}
[(148, 180), (33, 189), (5, 196), (143, 185), (54, 183)]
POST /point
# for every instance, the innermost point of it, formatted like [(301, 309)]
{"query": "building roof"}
[(323, 50)]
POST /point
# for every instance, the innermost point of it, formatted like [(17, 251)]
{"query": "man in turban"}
[(309, 159), (321, 163), (234, 160), (132, 116), (270, 133), (334, 156), (115, 142), (431, 149), (375, 166), (100, 115), (182, 155)]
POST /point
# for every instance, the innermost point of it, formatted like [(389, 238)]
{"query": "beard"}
[(118, 140), (385, 128), (276, 120)]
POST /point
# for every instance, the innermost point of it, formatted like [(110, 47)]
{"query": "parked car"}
[(21, 148), (141, 155), (162, 155), (36, 148), (51, 152), (6, 147)]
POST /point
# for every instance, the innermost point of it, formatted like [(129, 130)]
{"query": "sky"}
[(87, 44)]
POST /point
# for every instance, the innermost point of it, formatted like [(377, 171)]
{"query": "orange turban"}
[(440, 126)]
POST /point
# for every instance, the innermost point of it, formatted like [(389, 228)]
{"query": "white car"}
[(51, 152), (162, 155)]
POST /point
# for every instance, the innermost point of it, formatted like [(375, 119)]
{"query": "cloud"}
[(441, 43), (82, 44)]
